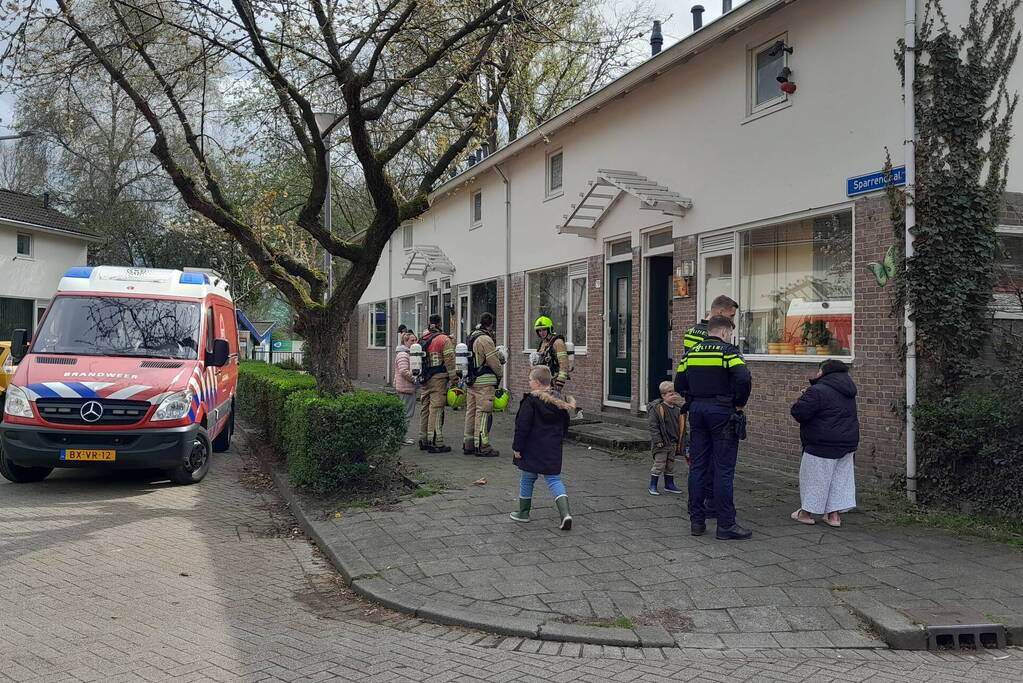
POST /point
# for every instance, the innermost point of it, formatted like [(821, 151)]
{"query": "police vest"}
[(715, 371), (694, 335)]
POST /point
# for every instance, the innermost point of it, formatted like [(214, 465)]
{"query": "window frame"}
[(373, 310), (549, 191), (753, 109), (475, 221), (31, 245), (1015, 231), (569, 332), (737, 274), (406, 237)]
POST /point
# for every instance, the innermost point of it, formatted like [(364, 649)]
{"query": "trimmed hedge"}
[(328, 442), (336, 442), (262, 391), (970, 451)]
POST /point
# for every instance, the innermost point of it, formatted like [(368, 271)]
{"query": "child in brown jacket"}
[(666, 431)]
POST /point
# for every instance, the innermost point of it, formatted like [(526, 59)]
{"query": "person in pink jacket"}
[(404, 382)]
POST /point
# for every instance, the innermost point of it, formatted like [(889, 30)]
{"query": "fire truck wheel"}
[(223, 440), (19, 474), (197, 464)]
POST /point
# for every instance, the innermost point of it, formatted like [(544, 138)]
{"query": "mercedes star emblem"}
[(91, 411)]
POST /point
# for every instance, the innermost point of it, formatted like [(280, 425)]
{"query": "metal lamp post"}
[(325, 122)]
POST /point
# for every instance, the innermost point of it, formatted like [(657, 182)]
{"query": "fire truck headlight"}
[(174, 407), (17, 403)]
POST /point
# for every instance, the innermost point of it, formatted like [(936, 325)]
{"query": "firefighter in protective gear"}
[(552, 351), (438, 375), (485, 372), (715, 382)]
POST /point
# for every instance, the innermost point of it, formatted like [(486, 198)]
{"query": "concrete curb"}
[(894, 627), (363, 579)]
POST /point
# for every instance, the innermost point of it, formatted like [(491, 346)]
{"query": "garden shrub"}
[(342, 441), (262, 391), (970, 449), (289, 364)]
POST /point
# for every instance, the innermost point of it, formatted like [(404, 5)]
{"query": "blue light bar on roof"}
[(194, 279), (79, 271)]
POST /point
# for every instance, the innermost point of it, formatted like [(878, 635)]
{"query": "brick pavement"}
[(630, 555), (125, 578)]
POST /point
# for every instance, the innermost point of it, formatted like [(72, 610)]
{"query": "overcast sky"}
[(675, 16)]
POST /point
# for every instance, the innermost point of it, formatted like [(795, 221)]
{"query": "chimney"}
[(46, 200), (485, 150), (726, 6), (697, 11), (656, 39)]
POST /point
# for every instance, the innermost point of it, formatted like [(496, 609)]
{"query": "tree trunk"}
[(326, 340)]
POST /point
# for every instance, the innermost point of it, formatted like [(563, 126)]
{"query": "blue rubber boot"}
[(653, 485), (669, 484)]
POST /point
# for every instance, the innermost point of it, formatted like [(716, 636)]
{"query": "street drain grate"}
[(950, 628)]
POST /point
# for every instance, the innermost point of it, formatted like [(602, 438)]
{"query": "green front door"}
[(619, 352)]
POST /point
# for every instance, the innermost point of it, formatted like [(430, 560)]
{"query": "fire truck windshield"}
[(120, 326)]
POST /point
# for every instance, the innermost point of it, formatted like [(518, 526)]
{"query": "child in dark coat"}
[(540, 428), (666, 432)]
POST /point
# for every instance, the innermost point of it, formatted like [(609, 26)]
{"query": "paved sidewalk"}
[(630, 562)]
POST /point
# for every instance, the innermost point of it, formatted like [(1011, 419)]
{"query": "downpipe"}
[(910, 160), (507, 272)]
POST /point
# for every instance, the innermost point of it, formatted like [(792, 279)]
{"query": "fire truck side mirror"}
[(218, 355), (19, 345)]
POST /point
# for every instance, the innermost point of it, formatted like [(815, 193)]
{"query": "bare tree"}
[(390, 70)]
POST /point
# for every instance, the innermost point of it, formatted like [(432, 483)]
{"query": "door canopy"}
[(605, 190), (425, 258)]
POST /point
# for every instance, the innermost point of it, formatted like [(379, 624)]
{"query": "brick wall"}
[(683, 309), (370, 364)]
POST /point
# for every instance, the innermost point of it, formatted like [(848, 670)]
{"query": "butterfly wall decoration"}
[(884, 271)]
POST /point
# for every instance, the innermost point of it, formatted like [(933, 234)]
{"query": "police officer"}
[(485, 373), (715, 382), (552, 351), (438, 374), (724, 306), (727, 307)]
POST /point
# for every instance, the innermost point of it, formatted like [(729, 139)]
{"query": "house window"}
[(659, 240), (378, 325), (482, 299), (1008, 297), (406, 237), (795, 287), (619, 251), (561, 296), (766, 62), (476, 210), (407, 314), (555, 164), (24, 244)]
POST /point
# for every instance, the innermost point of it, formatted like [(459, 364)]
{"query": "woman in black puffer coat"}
[(830, 432)]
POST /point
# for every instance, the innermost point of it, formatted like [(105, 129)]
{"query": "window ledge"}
[(797, 358), (554, 195), (475, 226), (766, 112), (580, 351), (23, 257)]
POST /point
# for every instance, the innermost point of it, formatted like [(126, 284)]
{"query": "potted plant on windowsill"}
[(822, 337)]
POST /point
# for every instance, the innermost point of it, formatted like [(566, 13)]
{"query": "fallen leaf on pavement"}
[(481, 481)]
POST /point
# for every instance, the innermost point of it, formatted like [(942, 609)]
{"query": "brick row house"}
[(690, 176)]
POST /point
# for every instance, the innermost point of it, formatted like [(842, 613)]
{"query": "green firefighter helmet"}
[(456, 397), (543, 323), (500, 400)]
